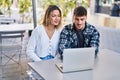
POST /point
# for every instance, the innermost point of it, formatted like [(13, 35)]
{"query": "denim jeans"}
[(47, 57)]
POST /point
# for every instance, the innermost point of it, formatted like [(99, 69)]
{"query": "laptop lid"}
[(77, 59)]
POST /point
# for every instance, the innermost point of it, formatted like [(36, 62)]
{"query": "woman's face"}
[(55, 17)]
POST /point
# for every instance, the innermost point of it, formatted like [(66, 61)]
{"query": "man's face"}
[(79, 21)]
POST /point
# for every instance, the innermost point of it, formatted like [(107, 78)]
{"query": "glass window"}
[(105, 2)]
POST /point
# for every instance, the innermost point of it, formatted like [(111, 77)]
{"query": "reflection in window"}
[(105, 2)]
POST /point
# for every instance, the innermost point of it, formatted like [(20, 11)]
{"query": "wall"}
[(104, 20)]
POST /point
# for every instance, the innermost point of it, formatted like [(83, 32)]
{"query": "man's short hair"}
[(80, 11)]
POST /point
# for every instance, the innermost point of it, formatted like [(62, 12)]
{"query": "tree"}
[(6, 4), (65, 5), (24, 6), (85, 4), (0, 7), (9, 3)]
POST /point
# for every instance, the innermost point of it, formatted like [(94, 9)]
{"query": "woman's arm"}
[(31, 47)]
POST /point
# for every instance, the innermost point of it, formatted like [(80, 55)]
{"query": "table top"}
[(107, 67), (12, 27), (47, 69)]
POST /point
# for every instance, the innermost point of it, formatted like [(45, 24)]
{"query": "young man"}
[(79, 34)]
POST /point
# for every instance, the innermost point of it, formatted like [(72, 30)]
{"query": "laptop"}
[(77, 59)]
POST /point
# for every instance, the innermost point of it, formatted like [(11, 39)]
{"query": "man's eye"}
[(76, 19)]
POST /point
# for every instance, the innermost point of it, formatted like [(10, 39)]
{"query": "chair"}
[(11, 47)]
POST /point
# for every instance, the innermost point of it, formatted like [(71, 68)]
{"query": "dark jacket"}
[(115, 10), (68, 38)]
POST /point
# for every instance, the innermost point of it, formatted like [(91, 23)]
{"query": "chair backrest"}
[(11, 46), (7, 36), (10, 34)]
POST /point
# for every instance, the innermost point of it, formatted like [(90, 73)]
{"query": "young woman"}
[(43, 42)]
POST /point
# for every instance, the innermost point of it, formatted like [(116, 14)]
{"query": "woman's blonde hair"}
[(46, 20)]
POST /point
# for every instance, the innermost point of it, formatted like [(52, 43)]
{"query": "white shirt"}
[(40, 45)]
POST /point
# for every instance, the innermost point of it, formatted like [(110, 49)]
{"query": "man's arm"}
[(64, 41), (95, 40)]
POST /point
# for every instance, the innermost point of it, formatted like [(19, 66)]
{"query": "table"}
[(12, 27), (49, 71), (107, 67), (5, 20)]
